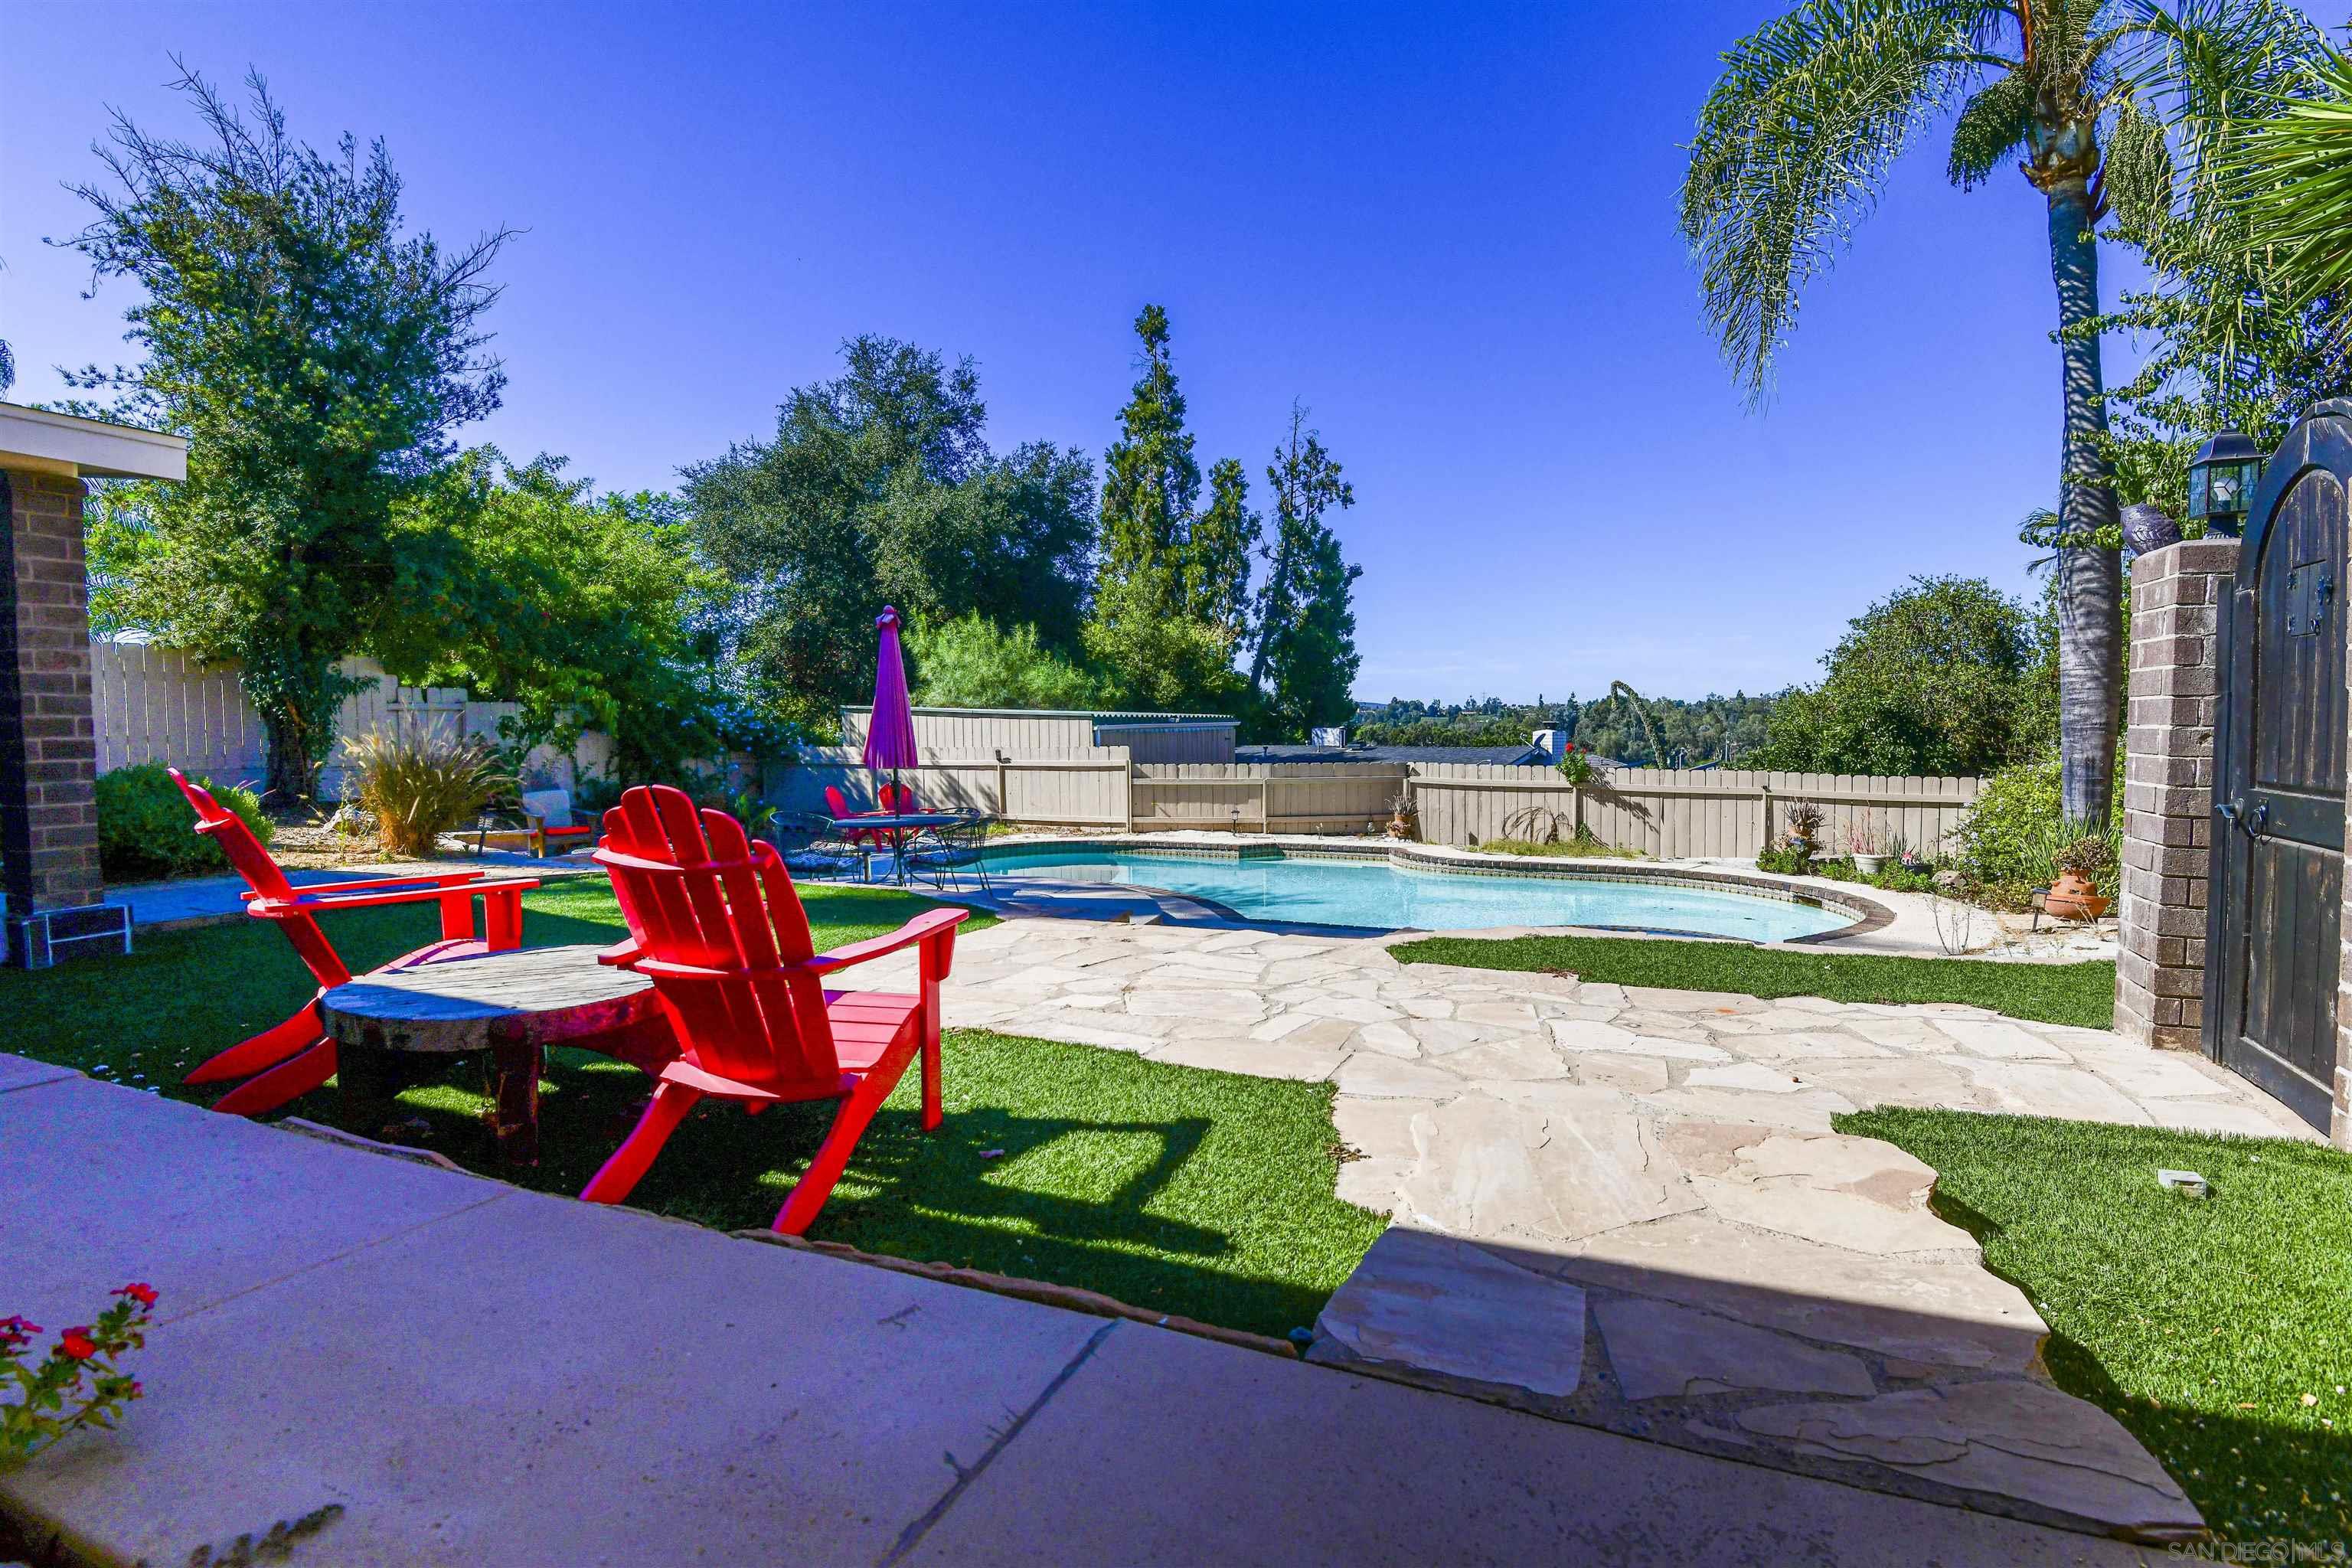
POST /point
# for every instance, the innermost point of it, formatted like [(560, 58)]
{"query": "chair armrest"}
[(622, 954), (442, 880), (371, 895), (929, 924)]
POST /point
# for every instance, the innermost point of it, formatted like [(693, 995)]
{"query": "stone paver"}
[(1665, 1161)]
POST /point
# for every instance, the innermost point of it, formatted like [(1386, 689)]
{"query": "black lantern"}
[(2221, 481)]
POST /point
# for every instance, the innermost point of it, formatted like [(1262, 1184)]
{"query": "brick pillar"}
[(49, 749), (2176, 594)]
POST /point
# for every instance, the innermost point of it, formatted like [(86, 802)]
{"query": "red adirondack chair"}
[(897, 798), (715, 924), (297, 1053)]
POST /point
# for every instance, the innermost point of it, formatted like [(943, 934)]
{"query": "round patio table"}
[(900, 825), (392, 1028)]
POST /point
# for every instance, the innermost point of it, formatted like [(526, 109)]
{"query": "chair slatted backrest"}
[(835, 801), (897, 797), (697, 891), (262, 873)]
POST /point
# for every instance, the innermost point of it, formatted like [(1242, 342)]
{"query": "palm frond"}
[(2294, 174), (1793, 148)]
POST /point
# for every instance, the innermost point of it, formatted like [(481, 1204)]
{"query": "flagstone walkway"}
[(1628, 1208)]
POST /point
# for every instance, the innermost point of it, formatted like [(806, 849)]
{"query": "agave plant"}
[(422, 783)]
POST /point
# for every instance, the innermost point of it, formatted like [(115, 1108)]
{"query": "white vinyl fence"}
[(156, 704)]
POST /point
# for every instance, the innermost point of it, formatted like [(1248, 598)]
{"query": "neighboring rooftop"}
[(1098, 716), (1505, 756)]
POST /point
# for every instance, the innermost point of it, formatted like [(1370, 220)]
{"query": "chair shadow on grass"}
[(946, 1197)]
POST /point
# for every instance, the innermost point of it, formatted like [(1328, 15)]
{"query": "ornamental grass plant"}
[(422, 783)]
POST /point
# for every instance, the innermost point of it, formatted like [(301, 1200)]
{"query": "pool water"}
[(1379, 896)]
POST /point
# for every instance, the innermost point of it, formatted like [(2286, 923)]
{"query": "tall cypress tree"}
[(1217, 556), (1306, 658), (1151, 481)]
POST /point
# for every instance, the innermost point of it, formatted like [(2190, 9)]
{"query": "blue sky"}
[(1451, 234)]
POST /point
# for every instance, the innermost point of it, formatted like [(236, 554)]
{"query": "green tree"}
[(880, 487), (971, 662), (587, 612), (1306, 660), (316, 359), (1937, 677), (1217, 556), (1792, 149), (1170, 606), (1151, 480)]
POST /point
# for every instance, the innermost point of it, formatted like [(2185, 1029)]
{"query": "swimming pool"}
[(1376, 894)]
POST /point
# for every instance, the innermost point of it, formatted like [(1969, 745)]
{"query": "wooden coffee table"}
[(393, 1029)]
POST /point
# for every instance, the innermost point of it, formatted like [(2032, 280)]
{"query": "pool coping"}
[(1864, 915)]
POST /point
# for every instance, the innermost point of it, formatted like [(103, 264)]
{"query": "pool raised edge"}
[(1864, 915)]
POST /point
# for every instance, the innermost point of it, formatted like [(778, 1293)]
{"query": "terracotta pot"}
[(2073, 896)]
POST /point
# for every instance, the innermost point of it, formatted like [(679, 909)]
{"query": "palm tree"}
[(1793, 150), (2295, 171)]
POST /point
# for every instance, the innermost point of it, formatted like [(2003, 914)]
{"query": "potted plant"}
[(1866, 842), (2075, 896), (1804, 828), (1400, 816)]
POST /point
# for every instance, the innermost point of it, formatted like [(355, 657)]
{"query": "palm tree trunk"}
[(2089, 573)]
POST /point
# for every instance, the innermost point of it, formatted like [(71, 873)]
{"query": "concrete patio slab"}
[(539, 1382), (1247, 1461), (106, 1185), (24, 1072)]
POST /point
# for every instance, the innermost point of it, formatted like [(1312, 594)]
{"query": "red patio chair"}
[(297, 1053), (837, 804), (715, 924)]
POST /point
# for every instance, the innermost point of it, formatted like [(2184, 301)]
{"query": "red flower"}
[(142, 1294), (16, 1332), (77, 1345)]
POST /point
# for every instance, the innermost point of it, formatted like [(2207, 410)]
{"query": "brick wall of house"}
[(48, 812), (2168, 790)]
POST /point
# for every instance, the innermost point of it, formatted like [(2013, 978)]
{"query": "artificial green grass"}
[(2204, 1326), (2082, 994), (1204, 1194)]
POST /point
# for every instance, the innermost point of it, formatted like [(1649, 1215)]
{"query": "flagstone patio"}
[(1627, 1208)]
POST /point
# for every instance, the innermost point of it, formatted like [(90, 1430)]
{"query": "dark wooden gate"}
[(2277, 865)]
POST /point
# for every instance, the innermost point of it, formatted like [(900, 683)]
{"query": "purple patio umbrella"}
[(890, 734)]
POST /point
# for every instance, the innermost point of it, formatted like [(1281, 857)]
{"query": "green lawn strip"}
[(1205, 1193), (2202, 1325), (2081, 994)]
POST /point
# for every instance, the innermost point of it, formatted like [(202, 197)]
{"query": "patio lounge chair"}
[(295, 1056), (715, 924), (545, 821)]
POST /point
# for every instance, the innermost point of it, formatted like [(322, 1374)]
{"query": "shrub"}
[(421, 786), (2016, 833), (146, 829), (1784, 860)]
